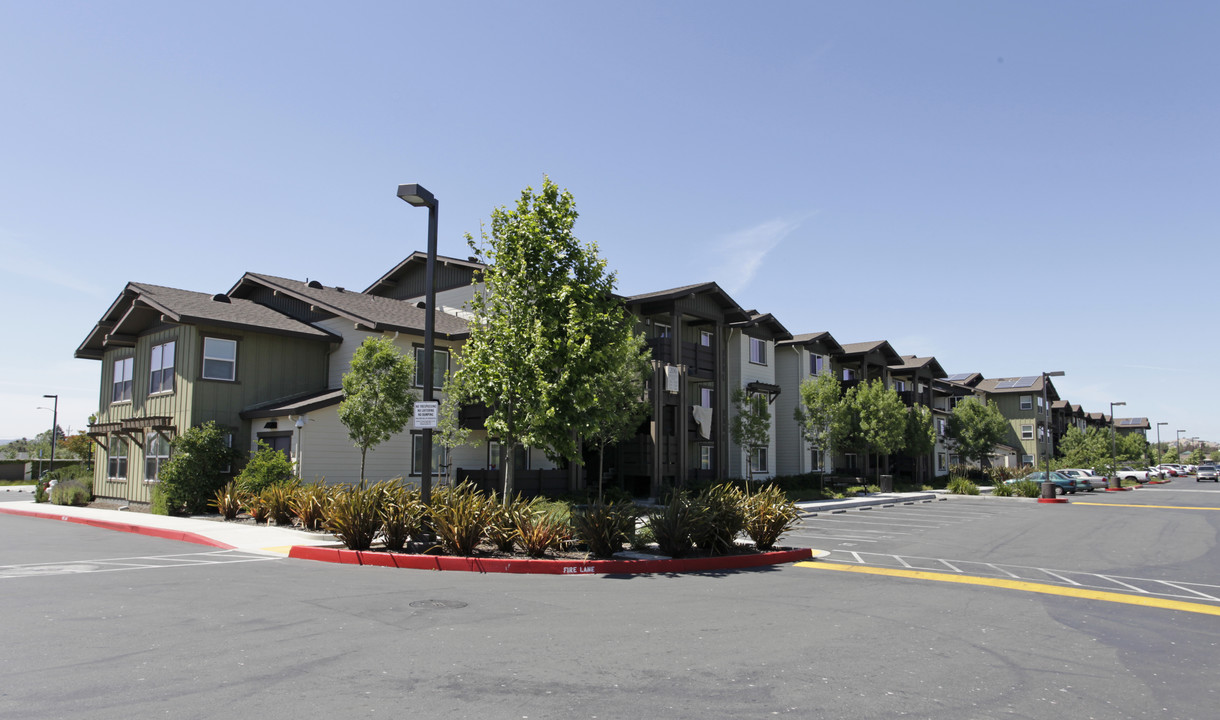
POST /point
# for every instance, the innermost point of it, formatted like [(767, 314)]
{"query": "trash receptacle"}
[(887, 483), (1048, 489)]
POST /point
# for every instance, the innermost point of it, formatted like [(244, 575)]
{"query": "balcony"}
[(700, 360)]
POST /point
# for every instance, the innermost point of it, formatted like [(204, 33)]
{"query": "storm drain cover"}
[(454, 604)]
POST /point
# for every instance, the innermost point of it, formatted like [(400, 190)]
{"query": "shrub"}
[(502, 520), (459, 516), (855, 490), (277, 499), (40, 490), (402, 514), (266, 467), (962, 486), (309, 504), (1027, 488), (641, 538), (604, 528), (1003, 490), (354, 516), (541, 530), (256, 507), (720, 519), (227, 501), (72, 492), (671, 526), (872, 489), (157, 504), (768, 515), (195, 469)]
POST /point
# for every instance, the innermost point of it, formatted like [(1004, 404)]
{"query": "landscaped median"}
[(550, 567)]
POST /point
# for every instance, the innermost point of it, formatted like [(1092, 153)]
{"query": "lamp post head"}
[(416, 195)]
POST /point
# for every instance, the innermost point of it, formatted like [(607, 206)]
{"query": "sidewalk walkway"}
[(878, 500), (215, 533)]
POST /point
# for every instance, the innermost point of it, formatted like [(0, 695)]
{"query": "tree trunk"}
[(601, 450), (508, 471)]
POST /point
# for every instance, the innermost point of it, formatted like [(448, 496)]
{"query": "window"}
[(417, 449), (851, 461), (815, 364), (758, 351), (705, 338), (941, 425), (1027, 432), (816, 459), (161, 378), (758, 460), (1027, 402), (493, 455), (705, 457), (440, 366), (661, 331), (941, 460), (900, 386), (122, 381), (1040, 405), (849, 374), (219, 359), (1027, 459), (116, 466), (705, 396), (155, 454)]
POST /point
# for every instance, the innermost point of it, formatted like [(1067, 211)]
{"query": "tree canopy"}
[(873, 420), (818, 410), (976, 429), (750, 426)]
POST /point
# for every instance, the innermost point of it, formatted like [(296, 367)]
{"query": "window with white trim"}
[(758, 351), (1027, 432), (161, 368), (417, 455), (219, 359), (705, 457), (116, 460), (661, 330), (1040, 405), (758, 460), (1027, 459), (705, 338), (1027, 402), (122, 381), (440, 366), (156, 452)]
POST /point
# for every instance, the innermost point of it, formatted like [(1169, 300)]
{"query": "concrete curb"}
[(812, 508), (548, 567), (163, 533)]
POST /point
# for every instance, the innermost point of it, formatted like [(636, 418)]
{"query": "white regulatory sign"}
[(426, 412)]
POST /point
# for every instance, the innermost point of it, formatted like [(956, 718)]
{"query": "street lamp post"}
[(1046, 406), (1114, 483), (417, 196), (1158, 443), (54, 426)]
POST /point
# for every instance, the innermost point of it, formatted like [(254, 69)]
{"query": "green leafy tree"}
[(1197, 457), (79, 446), (1090, 449), (1170, 456), (542, 346), (976, 429), (750, 426), (919, 437), (266, 467), (195, 469), (873, 420), (378, 401), (820, 404)]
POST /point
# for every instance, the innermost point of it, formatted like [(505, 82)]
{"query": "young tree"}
[(750, 426), (1089, 449), (543, 337), (621, 404), (1197, 456), (79, 446), (816, 412), (977, 428), (919, 437), (378, 401), (874, 419)]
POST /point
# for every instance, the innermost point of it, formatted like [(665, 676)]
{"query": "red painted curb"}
[(162, 533), (546, 567), (1052, 500), (1117, 489)]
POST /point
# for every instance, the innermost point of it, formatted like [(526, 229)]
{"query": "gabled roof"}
[(911, 364), (1132, 423), (969, 379), (732, 311), (367, 311), (853, 350), (416, 261), (826, 339), (141, 306), (298, 405), (1027, 384), (765, 321)]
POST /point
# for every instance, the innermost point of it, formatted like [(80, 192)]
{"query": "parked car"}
[(1085, 479), (1208, 472), (1063, 483), (1129, 473), (1157, 472), (1168, 470)]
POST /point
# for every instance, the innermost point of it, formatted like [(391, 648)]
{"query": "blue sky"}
[(1011, 187)]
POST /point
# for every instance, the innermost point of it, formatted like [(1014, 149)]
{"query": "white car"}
[(1086, 479), (1127, 473)]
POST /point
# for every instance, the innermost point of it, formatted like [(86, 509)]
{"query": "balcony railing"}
[(700, 360)]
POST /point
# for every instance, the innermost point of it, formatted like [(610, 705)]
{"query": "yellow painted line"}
[(1144, 601), (1162, 507)]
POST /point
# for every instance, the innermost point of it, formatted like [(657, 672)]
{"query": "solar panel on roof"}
[(958, 377), (1131, 421), (1005, 384), (1027, 381)]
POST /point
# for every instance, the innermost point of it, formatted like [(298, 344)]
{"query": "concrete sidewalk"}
[(878, 500), (267, 539)]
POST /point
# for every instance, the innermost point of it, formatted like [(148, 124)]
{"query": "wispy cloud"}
[(21, 261), (739, 256)]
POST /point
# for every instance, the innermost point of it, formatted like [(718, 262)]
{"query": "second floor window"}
[(1027, 432), (815, 364), (758, 351), (705, 338), (440, 366), (1027, 402), (161, 378), (122, 381), (219, 359)]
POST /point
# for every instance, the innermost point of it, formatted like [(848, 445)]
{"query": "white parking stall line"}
[(835, 537), (856, 555), (949, 565), (76, 567), (1067, 580), (849, 521), (904, 562), (999, 569), (1186, 589), (1140, 590)]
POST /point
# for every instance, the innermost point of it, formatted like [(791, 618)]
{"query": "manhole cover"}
[(438, 604)]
